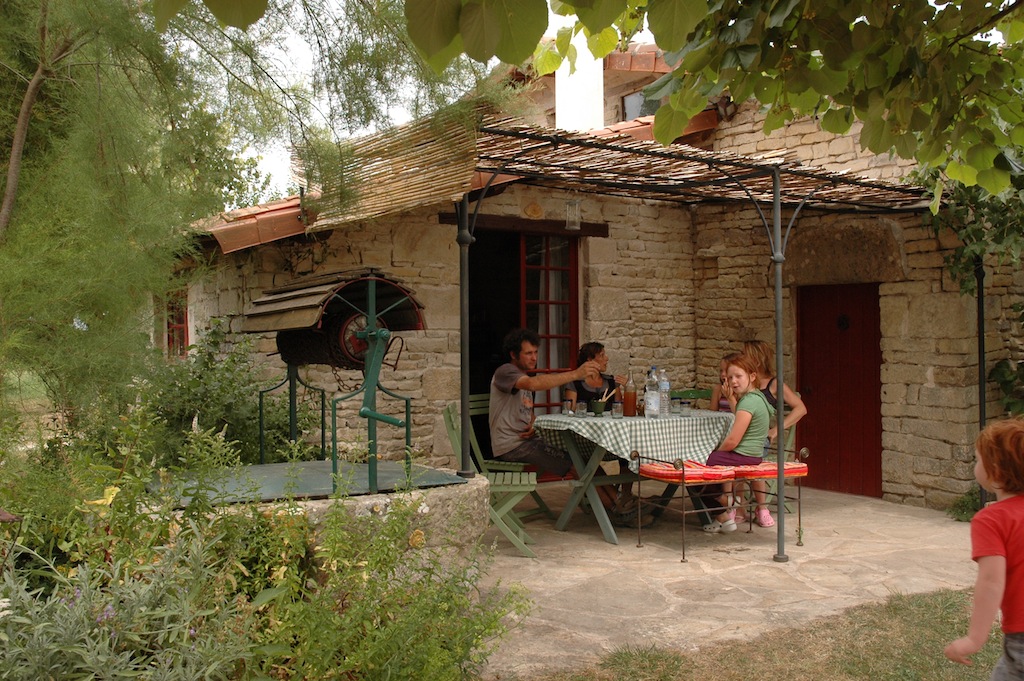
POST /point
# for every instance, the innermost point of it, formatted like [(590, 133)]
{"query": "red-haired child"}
[(997, 545)]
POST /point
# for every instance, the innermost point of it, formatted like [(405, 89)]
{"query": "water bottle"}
[(652, 398), (664, 395)]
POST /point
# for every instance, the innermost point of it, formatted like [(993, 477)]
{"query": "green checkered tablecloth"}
[(691, 438)]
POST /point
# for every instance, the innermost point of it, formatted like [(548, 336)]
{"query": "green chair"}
[(480, 404), (692, 394), (509, 484)]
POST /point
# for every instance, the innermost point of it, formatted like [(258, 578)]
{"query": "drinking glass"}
[(616, 410), (567, 407)]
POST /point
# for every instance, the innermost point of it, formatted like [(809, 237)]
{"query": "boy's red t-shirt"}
[(998, 530)]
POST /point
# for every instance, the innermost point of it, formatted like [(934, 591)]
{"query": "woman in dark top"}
[(764, 355), (581, 392)]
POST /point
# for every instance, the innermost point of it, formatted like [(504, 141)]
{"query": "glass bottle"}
[(629, 397)]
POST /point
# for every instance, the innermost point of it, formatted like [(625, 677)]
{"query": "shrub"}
[(104, 549), (169, 619), (217, 388)]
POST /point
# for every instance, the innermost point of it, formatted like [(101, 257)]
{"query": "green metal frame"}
[(377, 338), (293, 380)]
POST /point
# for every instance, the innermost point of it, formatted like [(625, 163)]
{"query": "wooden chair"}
[(479, 404), (509, 484)]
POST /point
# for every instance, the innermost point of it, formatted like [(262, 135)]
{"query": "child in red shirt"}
[(997, 544)]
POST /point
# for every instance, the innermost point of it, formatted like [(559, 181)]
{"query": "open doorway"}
[(521, 280)]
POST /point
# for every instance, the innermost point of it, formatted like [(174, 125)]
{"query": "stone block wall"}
[(805, 141), (637, 298)]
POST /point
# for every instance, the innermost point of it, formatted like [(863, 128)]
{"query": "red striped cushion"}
[(768, 469), (666, 472)]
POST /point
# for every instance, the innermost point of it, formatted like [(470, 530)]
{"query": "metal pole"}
[(464, 239), (979, 280), (780, 440)]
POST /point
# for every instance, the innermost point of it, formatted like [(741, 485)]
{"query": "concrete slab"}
[(592, 597)]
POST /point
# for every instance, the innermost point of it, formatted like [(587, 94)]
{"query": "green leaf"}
[(981, 156), (601, 14), (906, 145), (961, 173), (602, 44), (672, 21), (268, 595), (480, 29), (272, 650), (663, 87), (805, 101), (522, 24), (432, 24), (828, 81), (546, 60), (993, 180), (690, 101), (741, 56), (1012, 30), (165, 10), (780, 12), (440, 61), (563, 38), (669, 124), (875, 135), (238, 13), (837, 121), (936, 201)]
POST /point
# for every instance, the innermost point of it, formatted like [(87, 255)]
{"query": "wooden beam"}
[(507, 223)]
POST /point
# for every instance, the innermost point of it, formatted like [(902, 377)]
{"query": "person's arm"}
[(716, 397), (542, 382), (738, 430), (797, 410), (988, 594)]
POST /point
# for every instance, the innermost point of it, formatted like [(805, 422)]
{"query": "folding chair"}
[(507, 487)]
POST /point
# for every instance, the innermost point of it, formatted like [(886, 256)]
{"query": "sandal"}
[(764, 518), (724, 526)]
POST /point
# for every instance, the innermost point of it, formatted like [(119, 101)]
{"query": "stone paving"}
[(592, 597)]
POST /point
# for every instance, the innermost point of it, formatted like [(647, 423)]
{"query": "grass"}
[(898, 640)]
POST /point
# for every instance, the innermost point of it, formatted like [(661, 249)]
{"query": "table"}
[(588, 439)]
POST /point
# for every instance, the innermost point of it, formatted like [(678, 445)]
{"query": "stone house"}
[(877, 338)]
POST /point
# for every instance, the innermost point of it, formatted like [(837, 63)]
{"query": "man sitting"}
[(511, 407)]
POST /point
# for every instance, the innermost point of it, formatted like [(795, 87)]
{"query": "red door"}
[(840, 366)]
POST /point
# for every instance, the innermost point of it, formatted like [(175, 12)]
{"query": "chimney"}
[(579, 98)]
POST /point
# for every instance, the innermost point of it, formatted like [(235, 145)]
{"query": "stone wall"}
[(638, 300), (805, 141)]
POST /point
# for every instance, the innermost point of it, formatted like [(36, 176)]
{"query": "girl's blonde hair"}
[(1001, 450), (747, 364), (763, 354)]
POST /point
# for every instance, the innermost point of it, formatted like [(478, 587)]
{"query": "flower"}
[(417, 539), (107, 614)]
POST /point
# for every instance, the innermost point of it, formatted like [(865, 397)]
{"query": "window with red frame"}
[(177, 324)]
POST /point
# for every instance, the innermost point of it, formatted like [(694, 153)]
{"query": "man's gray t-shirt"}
[(511, 410)]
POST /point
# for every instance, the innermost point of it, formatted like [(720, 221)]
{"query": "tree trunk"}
[(18, 147)]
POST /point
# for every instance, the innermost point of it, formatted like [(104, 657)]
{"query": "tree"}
[(928, 80), (116, 137)]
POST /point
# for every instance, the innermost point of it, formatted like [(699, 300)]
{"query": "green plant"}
[(217, 388), (172, 618), (964, 508), (392, 603), (1009, 376)]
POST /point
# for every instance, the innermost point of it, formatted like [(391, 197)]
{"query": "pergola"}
[(463, 158)]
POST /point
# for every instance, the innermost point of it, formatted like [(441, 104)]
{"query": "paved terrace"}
[(592, 597)]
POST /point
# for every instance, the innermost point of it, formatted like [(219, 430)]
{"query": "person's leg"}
[(1011, 665), (537, 453)]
